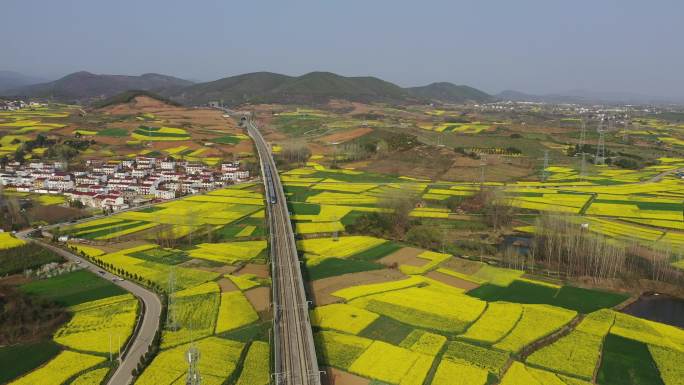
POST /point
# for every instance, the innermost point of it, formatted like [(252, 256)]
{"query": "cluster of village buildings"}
[(120, 184), (14, 105)]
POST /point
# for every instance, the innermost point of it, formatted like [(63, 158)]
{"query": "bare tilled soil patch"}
[(341, 137), (323, 288), (340, 377), (452, 281), (260, 298), (226, 285), (404, 256), (462, 265), (201, 264), (114, 247), (260, 271)]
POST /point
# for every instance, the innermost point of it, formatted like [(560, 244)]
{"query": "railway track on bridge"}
[(294, 351)]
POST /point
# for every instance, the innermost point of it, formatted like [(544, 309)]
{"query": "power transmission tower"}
[(600, 158), (483, 167), (628, 126), (336, 233), (583, 154), (545, 173), (583, 135), (171, 321)]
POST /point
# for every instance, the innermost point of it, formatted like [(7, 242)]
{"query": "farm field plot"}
[(219, 360), (455, 373), (537, 321), (342, 317), (577, 354), (98, 309), (498, 319), (627, 362), (7, 241), (93, 322), (73, 288), (207, 238), (23, 358), (195, 311), (425, 308), (67, 364), (569, 297), (385, 362), (235, 311), (339, 350), (255, 370), (488, 359)]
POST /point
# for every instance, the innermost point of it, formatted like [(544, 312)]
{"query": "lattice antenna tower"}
[(545, 173), (193, 357), (171, 321), (600, 158)]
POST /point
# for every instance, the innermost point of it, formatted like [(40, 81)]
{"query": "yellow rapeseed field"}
[(218, 361), (537, 321), (495, 323), (384, 362), (342, 317), (60, 368), (7, 241), (459, 373), (353, 292), (340, 248), (230, 252), (93, 322), (235, 311), (256, 368)]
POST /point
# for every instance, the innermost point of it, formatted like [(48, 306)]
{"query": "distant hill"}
[(267, 87), (232, 90), (127, 96), (85, 86), (258, 87), (11, 79), (450, 93), (586, 97)]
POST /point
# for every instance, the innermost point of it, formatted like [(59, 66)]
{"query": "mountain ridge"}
[(86, 86), (316, 87)]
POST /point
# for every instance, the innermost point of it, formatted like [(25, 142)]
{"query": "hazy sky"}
[(533, 46)]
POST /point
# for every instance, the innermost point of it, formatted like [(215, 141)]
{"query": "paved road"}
[(295, 355), (151, 312)]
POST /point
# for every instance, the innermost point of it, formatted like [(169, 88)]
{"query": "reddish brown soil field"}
[(340, 377), (453, 281), (404, 256), (341, 137), (260, 298), (323, 288)]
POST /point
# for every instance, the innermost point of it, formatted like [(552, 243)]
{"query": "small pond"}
[(658, 307)]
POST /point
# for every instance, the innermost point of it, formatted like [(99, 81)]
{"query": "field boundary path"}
[(147, 324), (293, 344)]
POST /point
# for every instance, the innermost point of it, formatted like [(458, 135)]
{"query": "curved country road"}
[(147, 324)]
